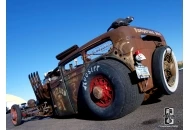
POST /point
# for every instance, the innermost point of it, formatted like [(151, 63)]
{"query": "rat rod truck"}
[(107, 78)]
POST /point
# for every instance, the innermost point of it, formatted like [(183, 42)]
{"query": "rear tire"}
[(116, 96), (165, 70)]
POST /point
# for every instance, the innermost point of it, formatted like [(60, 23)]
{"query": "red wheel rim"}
[(101, 91), (14, 115)]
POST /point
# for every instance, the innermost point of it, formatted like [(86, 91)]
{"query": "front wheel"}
[(107, 90), (16, 116)]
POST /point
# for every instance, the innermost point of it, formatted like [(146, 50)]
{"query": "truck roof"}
[(75, 50)]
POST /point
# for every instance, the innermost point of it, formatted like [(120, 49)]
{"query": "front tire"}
[(107, 90), (16, 115)]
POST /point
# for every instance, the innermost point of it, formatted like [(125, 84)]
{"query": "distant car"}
[(108, 77)]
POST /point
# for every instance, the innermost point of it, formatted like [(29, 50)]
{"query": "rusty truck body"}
[(122, 67)]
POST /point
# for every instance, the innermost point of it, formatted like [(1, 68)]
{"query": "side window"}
[(99, 50), (74, 63)]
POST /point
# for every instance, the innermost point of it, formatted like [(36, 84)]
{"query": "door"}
[(72, 77), (60, 96)]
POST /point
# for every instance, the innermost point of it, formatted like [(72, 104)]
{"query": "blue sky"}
[(37, 30)]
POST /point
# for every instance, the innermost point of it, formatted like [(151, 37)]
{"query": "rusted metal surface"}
[(62, 90), (72, 81), (60, 98), (37, 82), (42, 91), (33, 84), (39, 110), (126, 41), (150, 93), (31, 103)]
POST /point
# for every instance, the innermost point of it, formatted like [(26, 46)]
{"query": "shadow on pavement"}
[(34, 119), (151, 101)]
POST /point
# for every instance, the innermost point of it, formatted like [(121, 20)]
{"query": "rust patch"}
[(73, 84), (59, 95)]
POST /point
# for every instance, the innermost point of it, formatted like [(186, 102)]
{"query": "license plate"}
[(142, 72)]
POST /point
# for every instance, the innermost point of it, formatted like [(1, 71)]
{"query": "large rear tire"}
[(107, 90)]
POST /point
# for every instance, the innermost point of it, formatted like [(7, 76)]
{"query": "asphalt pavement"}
[(146, 117)]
